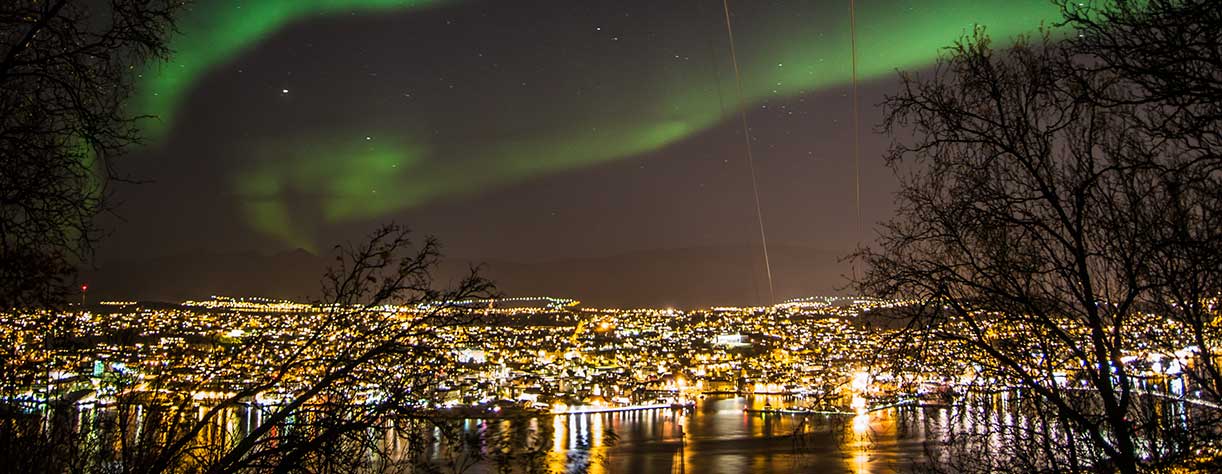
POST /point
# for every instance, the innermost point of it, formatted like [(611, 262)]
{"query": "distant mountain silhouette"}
[(291, 275), (681, 278)]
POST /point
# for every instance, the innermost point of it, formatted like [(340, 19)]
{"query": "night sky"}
[(522, 130)]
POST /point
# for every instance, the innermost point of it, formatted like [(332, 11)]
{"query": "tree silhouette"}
[(1058, 225), (1163, 60), (66, 68), (347, 385)]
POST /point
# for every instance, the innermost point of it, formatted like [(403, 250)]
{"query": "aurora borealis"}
[(213, 32), (349, 111)]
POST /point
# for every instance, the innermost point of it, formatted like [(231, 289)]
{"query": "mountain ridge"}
[(687, 277)]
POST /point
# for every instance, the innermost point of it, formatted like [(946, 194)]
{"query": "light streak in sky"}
[(342, 179)]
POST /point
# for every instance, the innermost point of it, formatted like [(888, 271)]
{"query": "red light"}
[(84, 287)]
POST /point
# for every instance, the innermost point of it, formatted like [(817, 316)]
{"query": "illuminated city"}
[(610, 236), (549, 360), (543, 354)]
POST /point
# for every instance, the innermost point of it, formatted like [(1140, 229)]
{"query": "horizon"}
[(468, 236), (606, 280)]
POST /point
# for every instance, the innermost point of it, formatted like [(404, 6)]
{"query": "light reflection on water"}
[(718, 436)]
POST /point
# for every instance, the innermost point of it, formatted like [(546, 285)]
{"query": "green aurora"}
[(212, 36), (290, 187)]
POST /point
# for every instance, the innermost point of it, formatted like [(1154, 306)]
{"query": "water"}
[(717, 436)]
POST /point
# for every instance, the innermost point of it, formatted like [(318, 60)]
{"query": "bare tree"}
[(1058, 224), (66, 68), (65, 71), (369, 375), (1166, 55), (342, 389), (1163, 60)]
